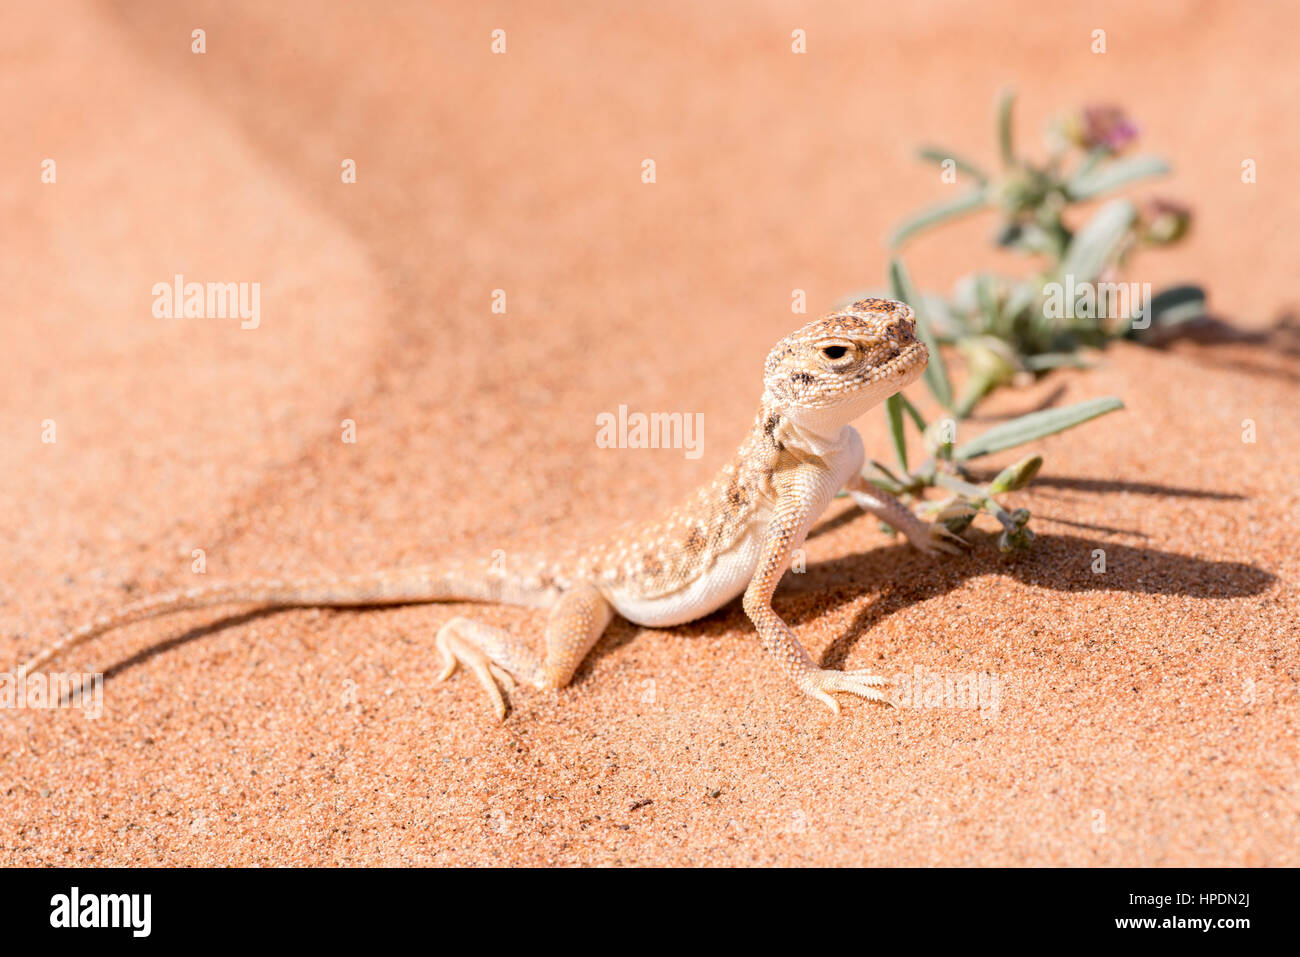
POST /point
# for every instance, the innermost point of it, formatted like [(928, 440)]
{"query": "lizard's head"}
[(831, 371)]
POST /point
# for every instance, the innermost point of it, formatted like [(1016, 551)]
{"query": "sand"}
[(1144, 715)]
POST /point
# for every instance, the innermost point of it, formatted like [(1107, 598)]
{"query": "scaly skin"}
[(735, 536)]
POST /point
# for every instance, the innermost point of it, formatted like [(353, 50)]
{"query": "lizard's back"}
[(647, 570)]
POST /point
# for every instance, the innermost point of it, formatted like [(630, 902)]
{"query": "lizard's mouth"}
[(908, 364)]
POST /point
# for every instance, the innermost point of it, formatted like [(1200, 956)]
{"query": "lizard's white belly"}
[(733, 570), (728, 577)]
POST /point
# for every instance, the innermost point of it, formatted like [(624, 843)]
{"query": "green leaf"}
[(1098, 243), (1006, 100), (917, 419), (985, 296), (990, 362), (886, 480), (961, 206), (1054, 360), (1021, 297), (894, 408), (1035, 425), (890, 487), (936, 375), (1093, 180), (1016, 476), (1177, 304), (939, 156), (884, 470), (943, 322), (1169, 307), (972, 493)]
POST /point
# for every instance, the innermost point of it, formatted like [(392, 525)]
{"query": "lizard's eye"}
[(838, 352), (834, 352)]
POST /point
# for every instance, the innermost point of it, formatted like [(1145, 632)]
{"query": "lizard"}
[(734, 537)]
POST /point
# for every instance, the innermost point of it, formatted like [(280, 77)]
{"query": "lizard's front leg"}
[(785, 533)]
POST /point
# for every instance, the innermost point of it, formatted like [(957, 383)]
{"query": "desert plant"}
[(945, 465), (1011, 328)]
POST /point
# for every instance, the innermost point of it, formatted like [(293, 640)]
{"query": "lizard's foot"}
[(932, 537), (929, 537), (820, 684), (456, 649)]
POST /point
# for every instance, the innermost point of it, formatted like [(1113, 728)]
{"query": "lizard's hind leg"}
[(497, 657)]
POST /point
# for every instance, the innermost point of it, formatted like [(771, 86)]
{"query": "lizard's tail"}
[(467, 581)]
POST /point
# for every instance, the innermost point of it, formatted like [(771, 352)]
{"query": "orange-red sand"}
[(1144, 715)]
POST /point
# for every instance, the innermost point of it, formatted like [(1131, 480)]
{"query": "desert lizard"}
[(735, 535)]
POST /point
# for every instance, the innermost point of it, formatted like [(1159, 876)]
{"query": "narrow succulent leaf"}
[(1006, 147), (944, 323), (973, 494), (1022, 296), (1098, 243), (941, 156), (1092, 181), (976, 388), (894, 488), (1017, 476), (988, 303), (1035, 425), (1055, 360), (990, 362), (964, 300), (885, 471), (917, 419), (1177, 304), (894, 409), (936, 375), (967, 203), (1169, 307)]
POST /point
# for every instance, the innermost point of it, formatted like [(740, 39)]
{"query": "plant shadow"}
[(1121, 485)]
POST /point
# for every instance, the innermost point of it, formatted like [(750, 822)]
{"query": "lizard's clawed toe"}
[(946, 540), (867, 676), (822, 683), (455, 651)]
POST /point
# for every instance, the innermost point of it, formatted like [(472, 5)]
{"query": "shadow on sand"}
[(1060, 562)]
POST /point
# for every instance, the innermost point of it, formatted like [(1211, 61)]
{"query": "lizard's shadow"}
[(901, 576), (184, 638)]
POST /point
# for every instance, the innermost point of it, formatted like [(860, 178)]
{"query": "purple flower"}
[(1107, 127)]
